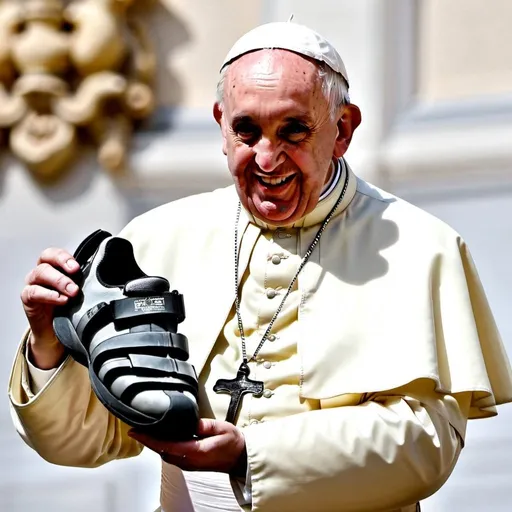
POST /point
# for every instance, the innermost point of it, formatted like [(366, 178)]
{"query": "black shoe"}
[(123, 327)]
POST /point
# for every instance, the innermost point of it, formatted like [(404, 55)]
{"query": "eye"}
[(294, 132), (246, 131)]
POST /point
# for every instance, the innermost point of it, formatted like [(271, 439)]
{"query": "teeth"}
[(273, 181)]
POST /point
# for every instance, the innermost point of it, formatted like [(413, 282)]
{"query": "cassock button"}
[(267, 364), (276, 259), (271, 293), (281, 233), (271, 337), (267, 393)]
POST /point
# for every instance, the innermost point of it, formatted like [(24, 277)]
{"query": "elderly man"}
[(361, 316)]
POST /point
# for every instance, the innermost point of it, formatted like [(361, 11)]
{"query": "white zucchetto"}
[(288, 36)]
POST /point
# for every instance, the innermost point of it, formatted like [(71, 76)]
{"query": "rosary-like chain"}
[(305, 259)]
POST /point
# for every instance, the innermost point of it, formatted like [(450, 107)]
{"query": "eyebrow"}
[(244, 118), (303, 118), (241, 118)]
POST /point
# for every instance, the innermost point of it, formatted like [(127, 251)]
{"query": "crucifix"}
[(236, 388)]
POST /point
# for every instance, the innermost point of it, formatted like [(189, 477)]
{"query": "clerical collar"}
[(327, 199), (335, 178)]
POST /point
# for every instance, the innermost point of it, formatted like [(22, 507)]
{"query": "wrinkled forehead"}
[(274, 83), (273, 64)]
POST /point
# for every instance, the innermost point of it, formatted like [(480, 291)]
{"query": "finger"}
[(174, 448), (214, 434), (46, 275), (35, 294), (211, 443), (152, 443), (59, 258), (209, 427)]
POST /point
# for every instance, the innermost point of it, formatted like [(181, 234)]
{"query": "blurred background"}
[(433, 79)]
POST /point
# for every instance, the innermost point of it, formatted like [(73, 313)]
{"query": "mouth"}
[(274, 182), (274, 196)]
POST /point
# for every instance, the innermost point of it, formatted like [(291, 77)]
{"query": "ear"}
[(348, 121), (218, 114)]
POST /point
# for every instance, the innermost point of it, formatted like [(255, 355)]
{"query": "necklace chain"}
[(305, 259)]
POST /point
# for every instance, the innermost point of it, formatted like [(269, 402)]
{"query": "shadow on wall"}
[(167, 33)]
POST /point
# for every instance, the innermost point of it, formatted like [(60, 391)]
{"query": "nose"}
[(268, 155)]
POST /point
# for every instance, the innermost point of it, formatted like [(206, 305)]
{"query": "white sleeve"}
[(242, 489), (37, 377), (387, 453)]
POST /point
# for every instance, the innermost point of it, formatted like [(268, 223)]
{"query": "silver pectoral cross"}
[(237, 388)]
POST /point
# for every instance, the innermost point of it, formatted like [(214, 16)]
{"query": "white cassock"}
[(383, 350)]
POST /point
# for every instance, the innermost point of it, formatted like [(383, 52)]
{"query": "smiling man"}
[(280, 132), (340, 372)]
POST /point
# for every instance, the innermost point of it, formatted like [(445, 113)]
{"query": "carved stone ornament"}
[(70, 70)]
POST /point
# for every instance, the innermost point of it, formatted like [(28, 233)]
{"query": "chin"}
[(277, 220)]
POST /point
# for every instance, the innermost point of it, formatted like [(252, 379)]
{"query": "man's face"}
[(278, 134)]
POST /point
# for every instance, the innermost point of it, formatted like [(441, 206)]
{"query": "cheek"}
[(239, 156), (300, 156), (307, 162)]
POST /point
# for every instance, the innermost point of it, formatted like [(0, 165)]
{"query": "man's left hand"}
[(220, 447)]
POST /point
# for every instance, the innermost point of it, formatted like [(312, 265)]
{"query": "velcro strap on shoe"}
[(127, 312), (92, 321), (163, 366), (161, 344), (151, 370)]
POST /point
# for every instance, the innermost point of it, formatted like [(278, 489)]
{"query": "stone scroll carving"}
[(72, 71)]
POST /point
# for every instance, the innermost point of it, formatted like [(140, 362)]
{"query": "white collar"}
[(332, 182)]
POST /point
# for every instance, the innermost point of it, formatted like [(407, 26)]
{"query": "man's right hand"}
[(47, 287)]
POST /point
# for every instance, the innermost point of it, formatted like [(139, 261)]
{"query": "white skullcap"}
[(288, 36)]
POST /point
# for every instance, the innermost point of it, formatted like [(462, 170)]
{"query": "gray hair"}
[(334, 87)]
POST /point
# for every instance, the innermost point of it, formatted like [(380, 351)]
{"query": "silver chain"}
[(290, 287)]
